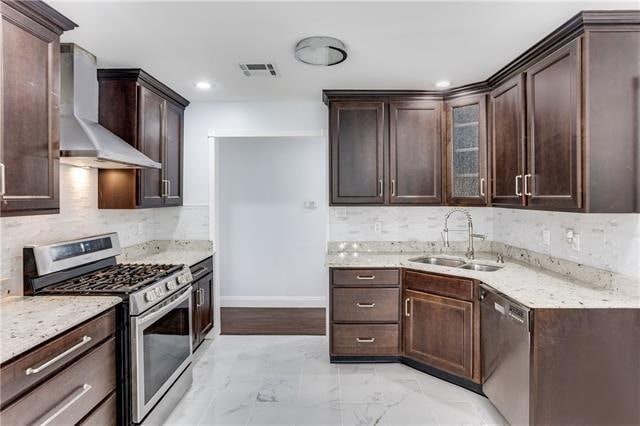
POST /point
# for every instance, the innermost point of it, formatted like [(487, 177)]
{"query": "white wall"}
[(272, 248), (607, 241), (79, 216)]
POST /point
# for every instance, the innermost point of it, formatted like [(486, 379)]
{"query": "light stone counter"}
[(25, 322), (530, 285), (187, 252)]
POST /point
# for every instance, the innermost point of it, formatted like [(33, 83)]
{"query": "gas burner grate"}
[(122, 278)]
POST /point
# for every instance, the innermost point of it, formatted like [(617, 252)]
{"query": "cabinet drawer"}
[(202, 268), (365, 277), (19, 376), (71, 394), (102, 415), (365, 304), (365, 339), (457, 288)]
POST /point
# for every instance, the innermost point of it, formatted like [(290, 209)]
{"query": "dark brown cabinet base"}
[(202, 300)]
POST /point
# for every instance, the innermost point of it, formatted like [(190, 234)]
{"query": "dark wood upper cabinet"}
[(554, 164), (507, 143), (466, 151), (415, 152), (357, 152), (438, 331), (148, 115), (30, 96)]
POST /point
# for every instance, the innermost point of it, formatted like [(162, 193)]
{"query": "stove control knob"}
[(150, 296), (171, 285)]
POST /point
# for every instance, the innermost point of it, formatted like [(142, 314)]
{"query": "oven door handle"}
[(154, 315)]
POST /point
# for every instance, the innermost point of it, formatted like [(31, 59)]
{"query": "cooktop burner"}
[(121, 278)]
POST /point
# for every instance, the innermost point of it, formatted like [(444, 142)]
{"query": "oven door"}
[(160, 349)]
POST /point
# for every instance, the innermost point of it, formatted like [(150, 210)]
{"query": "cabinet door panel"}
[(439, 332), (151, 119), (195, 316), (554, 164), (507, 143), (357, 152), (30, 143), (205, 309), (415, 152), (173, 154), (467, 151)]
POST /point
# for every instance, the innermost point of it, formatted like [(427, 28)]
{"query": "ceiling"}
[(391, 45)]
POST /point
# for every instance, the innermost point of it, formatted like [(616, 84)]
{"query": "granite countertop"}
[(26, 322), (530, 285), (186, 252)]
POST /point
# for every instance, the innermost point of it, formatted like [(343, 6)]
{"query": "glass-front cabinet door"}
[(466, 119)]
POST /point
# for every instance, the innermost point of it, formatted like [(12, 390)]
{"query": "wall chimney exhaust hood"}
[(84, 142)]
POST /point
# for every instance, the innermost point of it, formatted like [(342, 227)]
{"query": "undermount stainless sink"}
[(480, 267), (442, 261)]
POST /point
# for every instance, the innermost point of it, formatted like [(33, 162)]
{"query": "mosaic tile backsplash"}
[(79, 216), (605, 241)]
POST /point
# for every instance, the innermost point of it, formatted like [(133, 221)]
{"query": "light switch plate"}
[(377, 227), (546, 237)]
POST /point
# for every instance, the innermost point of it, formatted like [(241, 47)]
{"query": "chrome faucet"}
[(445, 232)]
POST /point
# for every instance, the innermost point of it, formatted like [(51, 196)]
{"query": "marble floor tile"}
[(288, 380)]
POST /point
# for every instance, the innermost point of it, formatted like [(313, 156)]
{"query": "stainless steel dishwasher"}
[(505, 331)]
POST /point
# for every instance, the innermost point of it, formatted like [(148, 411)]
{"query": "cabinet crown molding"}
[(148, 79), (42, 13)]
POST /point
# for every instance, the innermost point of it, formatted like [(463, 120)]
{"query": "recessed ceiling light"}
[(319, 50), (443, 83), (204, 85)]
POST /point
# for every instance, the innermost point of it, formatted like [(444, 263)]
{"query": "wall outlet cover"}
[(546, 237), (377, 227), (341, 212), (310, 204)]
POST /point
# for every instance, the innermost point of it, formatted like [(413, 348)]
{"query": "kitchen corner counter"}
[(187, 252), (26, 322), (530, 285)]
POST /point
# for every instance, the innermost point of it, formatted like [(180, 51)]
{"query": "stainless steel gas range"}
[(154, 320)]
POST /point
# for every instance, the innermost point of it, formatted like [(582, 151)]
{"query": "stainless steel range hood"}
[(84, 142)]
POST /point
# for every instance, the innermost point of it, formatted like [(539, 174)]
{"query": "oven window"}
[(166, 346)]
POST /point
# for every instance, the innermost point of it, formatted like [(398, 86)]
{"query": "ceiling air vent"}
[(258, 70)]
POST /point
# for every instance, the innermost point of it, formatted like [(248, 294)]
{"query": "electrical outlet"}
[(341, 212), (140, 228), (546, 237), (377, 227), (575, 242)]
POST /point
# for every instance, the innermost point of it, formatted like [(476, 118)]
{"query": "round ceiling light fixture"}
[(320, 50), (442, 84), (204, 85)]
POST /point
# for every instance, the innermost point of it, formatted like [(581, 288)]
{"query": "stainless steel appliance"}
[(154, 320), (506, 341)]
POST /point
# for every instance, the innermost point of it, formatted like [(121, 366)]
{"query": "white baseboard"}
[(273, 302)]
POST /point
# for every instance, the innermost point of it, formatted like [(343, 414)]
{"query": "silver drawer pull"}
[(365, 305), (518, 179), (366, 277), (34, 370), (365, 339), (406, 307), (84, 389)]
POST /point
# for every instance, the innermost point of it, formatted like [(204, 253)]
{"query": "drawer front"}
[(201, 269), (365, 339), (102, 415), (19, 376), (365, 277), (457, 288), (365, 304), (70, 395)]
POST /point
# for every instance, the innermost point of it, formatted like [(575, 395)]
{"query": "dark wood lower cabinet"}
[(438, 331), (80, 387), (202, 300)]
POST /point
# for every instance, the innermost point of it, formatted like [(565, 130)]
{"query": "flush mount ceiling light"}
[(443, 83), (322, 51), (204, 85)]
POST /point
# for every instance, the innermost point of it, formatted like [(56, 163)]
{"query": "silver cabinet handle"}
[(34, 370), (518, 192), (3, 186), (482, 187), (83, 390), (365, 277), (164, 188), (168, 188), (393, 187), (365, 305), (527, 186), (365, 339), (406, 307), (380, 193)]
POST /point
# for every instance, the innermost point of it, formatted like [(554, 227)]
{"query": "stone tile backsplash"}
[(79, 216), (605, 241)]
